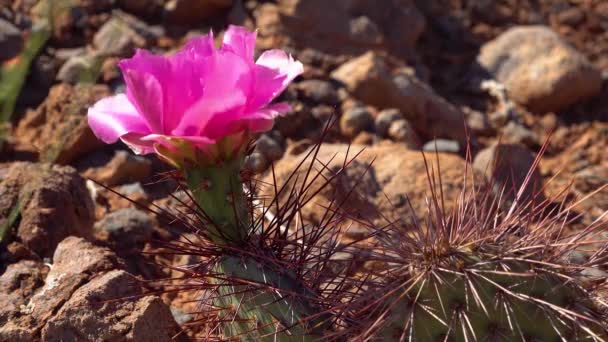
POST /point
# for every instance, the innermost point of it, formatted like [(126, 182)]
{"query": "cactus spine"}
[(259, 300)]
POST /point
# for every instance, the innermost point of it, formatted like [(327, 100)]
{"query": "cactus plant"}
[(480, 273)]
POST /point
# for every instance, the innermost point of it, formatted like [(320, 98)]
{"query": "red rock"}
[(52, 202)]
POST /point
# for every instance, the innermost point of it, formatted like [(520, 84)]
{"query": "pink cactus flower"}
[(197, 96)]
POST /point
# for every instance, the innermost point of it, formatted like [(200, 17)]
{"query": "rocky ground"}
[(504, 77)]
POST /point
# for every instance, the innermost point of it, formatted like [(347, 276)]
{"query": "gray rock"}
[(132, 190), (269, 147), (79, 68), (506, 167), (319, 91), (594, 274), (402, 131), (256, 162), (11, 41), (180, 316), (364, 30), (117, 38), (442, 145), (515, 133), (384, 120), (126, 227), (67, 53), (539, 69), (355, 121)]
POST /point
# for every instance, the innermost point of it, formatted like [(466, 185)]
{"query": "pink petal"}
[(228, 82), (263, 119), (163, 88), (240, 41), (145, 74), (202, 46), (137, 144), (274, 70), (112, 117)]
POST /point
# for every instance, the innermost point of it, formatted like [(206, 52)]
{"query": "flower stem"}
[(218, 191)]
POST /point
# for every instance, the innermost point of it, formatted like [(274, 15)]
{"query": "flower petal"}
[(112, 117), (137, 144), (202, 46), (240, 41), (274, 70), (228, 82), (263, 119), (145, 76)]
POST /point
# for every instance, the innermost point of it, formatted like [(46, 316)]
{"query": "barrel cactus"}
[(477, 272)]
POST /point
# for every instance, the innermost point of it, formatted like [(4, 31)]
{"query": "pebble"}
[(355, 121), (319, 91), (442, 145), (384, 120), (11, 41)]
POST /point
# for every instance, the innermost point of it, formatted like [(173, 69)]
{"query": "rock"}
[(11, 41), (384, 120), (256, 162), (117, 38), (75, 256), (402, 131), (583, 167), (144, 8), (370, 78), (328, 118), (355, 121), (191, 12), (180, 316), (364, 138), (82, 298), (506, 167), (571, 16), (125, 167), (17, 284), (14, 252), (52, 202), (364, 30), (319, 91), (79, 68), (65, 54), (269, 148), (478, 122), (298, 124), (516, 133), (133, 189), (239, 16), (540, 71), (126, 228), (74, 262), (93, 314), (58, 128), (380, 191), (442, 145), (358, 26)]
